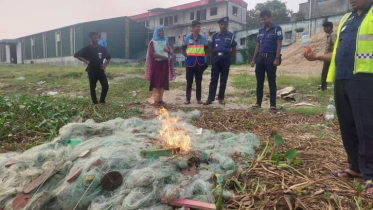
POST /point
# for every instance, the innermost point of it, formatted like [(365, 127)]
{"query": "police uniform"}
[(195, 63), (264, 62), (352, 71), (222, 46)]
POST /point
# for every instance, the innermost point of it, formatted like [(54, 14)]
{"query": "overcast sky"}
[(22, 17)]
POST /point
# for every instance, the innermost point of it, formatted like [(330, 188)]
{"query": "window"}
[(176, 18), (168, 21), (145, 23), (192, 16), (235, 11), (243, 41), (161, 21), (288, 35), (213, 11), (201, 15), (299, 35)]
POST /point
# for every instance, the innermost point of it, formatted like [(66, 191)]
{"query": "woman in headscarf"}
[(159, 66)]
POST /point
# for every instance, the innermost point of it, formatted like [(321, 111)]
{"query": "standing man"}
[(194, 48), (223, 47), (93, 55), (351, 70), (267, 57), (101, 40), (331, 37)]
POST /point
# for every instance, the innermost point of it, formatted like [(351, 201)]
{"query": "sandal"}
[(349, 175), (256, 106), (151, 103), (162, 103), (273, 108), (368, 186)]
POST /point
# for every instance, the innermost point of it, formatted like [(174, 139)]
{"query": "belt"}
[(222, 53), (267, 55)]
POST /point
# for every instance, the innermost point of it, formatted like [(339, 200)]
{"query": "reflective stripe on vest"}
[(364, 47), (195, 50)]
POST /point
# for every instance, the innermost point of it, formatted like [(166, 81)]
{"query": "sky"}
[(23, 17)]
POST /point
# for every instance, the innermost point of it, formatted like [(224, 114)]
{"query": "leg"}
[(189, 78), (260, 76), (347, 124), (215, 71), (155, 95), (271, 75), (361, 94), (161, 91), (104, 85), (324, 75), (198, 76), (92, 85), (224, 76)]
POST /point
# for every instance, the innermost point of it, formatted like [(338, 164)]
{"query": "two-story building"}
[(177, 20)]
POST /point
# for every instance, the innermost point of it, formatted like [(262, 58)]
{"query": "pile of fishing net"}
[(116, 145)]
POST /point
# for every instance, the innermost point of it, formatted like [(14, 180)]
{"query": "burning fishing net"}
[(149, 158)]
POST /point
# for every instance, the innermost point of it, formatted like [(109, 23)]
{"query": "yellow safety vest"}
[(364, 47)]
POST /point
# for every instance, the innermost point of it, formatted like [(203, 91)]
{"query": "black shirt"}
[(95, 55)]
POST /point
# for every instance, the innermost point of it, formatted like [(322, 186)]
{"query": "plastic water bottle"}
[(306, 43), (330, 109), (73, 142)]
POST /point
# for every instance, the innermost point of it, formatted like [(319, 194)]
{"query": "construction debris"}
[(190, 204), (284, 92)]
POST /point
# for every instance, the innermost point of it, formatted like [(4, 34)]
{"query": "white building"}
[(177, 20)]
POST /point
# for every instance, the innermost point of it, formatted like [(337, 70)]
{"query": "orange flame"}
[(171, 135)]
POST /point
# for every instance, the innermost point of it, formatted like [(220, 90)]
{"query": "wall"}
[(324, 8), (138, 36), (2, 53)]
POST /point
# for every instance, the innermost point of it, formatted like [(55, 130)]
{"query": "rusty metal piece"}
[(84, 153), (135, 131), (21, 201), (99, 162), (112, 180), (74, 175), (10, 163), (190, 204), (190, 171), (42, 178)]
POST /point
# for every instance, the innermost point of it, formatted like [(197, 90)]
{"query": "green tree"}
[(280, 13)]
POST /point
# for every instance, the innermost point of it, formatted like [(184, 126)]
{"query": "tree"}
[(280, 13)]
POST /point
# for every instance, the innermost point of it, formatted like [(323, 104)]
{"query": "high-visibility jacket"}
[(195, 50), (364, 47)]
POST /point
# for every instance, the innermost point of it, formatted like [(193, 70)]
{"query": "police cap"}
[(224, 20)]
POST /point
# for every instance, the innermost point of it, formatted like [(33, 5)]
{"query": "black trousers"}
[(94, 75), (191, 73), (265, 65), (220, 67), (354, 104), (324, 75)]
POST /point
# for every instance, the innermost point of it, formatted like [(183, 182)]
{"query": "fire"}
[(171, 135)]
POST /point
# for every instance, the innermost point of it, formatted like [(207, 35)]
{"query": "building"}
[(10, 51), (177, 20), (322, 10), (126, 40)]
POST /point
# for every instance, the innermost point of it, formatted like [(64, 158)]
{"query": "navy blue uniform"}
[(354, 100), (222, 45), (264, 62)]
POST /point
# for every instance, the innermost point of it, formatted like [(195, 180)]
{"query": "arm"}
[(184, 48), (107, 61), (184, 53), (255, 54), (80, 55), (278, 53), (233, 53), (234, 46)]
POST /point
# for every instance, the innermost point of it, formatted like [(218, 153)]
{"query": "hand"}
[(277, 62), (311, 56), (252, 64), (103, 66), (87, 62), (166, 50)]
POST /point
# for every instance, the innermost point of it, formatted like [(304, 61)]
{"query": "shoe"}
[(208, 102), (199, 102), (221, 102), (257, 106), (187, 102)]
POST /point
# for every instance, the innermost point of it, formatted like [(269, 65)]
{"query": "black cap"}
[(327, 24), (224, 20)]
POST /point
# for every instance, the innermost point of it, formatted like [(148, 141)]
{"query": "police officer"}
[(267, 57), (223, 45), (351, 70)]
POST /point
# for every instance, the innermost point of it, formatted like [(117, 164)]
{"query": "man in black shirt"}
[(93, 55)]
